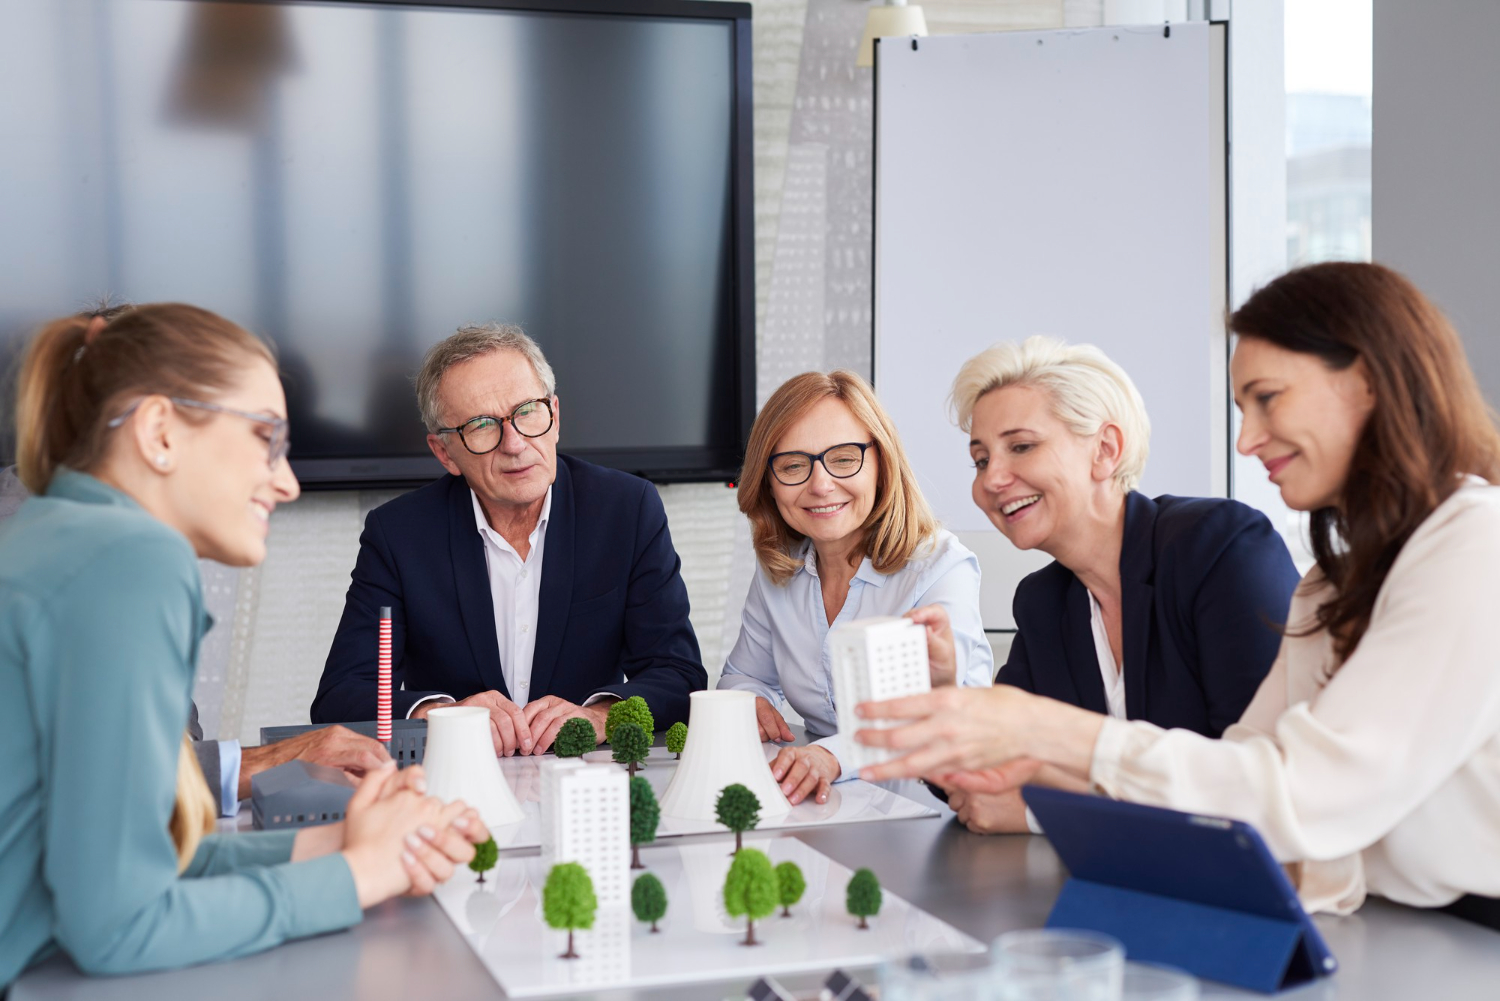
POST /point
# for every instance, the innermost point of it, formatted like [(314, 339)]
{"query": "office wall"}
[(813, 155), (1435, 212)]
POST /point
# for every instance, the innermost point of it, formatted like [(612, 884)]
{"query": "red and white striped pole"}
[(383, 694)]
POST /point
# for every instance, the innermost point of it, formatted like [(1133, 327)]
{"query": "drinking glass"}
[(915, 980), (1158, 983), (1056, 964)]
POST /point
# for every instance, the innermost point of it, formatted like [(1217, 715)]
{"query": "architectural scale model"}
[(569, 902), (460, 763), (485, 857), (648, 899), (631, 710), (645, 814), (677, 738), (862, 897), (585, 815), (875, 659), (575, 739), (750, 889), (790, 886), (723, 748)]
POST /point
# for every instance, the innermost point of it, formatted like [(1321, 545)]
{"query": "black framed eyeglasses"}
[(842, 461), (277, 445), (482, 434)]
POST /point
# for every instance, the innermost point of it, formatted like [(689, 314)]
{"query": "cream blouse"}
[(1382, 776)]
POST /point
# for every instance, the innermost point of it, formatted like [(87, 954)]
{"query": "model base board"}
[(852, 802), (501, 920)]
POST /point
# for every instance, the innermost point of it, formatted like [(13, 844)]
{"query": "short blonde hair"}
[(1087, 390), (900, 521)]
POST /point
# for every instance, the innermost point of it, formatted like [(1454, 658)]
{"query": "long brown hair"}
[(900, 520), (1430, 424), (80, 371)]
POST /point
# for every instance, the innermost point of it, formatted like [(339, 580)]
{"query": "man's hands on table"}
[(334, 746), (530, 729)]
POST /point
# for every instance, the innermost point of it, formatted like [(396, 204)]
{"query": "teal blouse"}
[(101, 616)]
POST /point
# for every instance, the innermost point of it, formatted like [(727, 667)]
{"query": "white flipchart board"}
[(1069, 183)]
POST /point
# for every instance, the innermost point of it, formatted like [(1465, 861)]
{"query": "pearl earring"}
[(161, 460)]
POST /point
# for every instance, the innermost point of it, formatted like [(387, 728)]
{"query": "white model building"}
[(874, 659), (585, 813)]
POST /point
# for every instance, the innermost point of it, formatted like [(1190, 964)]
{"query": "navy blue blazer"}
[(613, 615), (1205, 585)]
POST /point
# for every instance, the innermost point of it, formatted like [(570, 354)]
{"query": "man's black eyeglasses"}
[(482, 434)]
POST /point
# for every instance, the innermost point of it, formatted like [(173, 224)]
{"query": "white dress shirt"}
[(782, 652), (1382, 774), (1112, 673), (516, 590)]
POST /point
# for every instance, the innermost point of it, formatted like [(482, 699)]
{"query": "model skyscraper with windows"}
[(875, 659)]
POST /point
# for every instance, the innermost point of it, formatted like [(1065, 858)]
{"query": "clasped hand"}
[(530, 729)]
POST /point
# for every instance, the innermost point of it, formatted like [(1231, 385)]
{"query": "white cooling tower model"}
[(723, 748), (460, 763), (586, 819), (875, 659)]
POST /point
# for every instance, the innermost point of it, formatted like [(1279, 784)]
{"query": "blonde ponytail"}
[(80, 371), (194, 814), (40, 424)]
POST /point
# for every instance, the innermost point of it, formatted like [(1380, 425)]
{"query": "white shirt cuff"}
[(229, 778), (1032, 824), (430, 698), (599, 697)]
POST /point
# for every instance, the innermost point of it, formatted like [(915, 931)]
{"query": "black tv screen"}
[(355, 181)]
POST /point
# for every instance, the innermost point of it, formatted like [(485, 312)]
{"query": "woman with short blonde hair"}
[(841, 532), (1161, 609)]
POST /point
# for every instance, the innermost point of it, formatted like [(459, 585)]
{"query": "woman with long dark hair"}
[(1370, 756)]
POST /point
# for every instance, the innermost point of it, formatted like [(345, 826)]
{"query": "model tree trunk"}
[(654, 929), (481, 877), (635, 858), (749, 932), (570, 954), (737, 844), (863, 923), (786, 911)]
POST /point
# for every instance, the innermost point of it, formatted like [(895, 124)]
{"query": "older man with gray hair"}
[(534, 584)]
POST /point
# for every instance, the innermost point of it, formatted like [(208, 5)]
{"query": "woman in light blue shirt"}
[(841, 532), (152, 437)]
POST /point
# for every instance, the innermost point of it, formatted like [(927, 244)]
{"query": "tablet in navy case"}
[(1199, 893)]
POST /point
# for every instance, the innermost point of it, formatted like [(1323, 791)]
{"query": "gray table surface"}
[(984, 885)]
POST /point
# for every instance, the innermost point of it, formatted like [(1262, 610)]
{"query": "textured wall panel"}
[(297, 597)]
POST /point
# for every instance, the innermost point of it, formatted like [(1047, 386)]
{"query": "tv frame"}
[(687, 464)]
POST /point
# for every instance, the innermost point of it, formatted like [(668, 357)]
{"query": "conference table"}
[(981, 884)]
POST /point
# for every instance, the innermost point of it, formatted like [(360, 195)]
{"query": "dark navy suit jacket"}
[(613, 615), (1205, 585)]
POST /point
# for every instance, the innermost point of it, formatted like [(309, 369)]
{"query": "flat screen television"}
[(355, 181)]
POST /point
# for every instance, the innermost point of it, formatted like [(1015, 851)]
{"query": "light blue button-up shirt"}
[(782, 653)]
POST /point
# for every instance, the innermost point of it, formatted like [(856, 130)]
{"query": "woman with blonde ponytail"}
[(152, 437)]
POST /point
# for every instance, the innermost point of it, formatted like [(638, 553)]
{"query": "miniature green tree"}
[(790, 886), (648, 898), (568, 901), (631, 746), (750, 889), (644, 816), (631, 710), (575, 738), (862, 899), (738, 809), (677, 738), (485, 857)]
